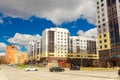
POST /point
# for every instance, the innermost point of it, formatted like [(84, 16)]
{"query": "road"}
[(9, 73)]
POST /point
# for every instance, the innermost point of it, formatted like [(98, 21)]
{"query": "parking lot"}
[(43, 74)]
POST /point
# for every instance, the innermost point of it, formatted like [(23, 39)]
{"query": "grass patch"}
[(25, 66), (22, 66), (97, 68)]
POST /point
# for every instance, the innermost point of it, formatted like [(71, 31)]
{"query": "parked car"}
[(31, 69), (75, 67), (119, 72), (56, 69), (9, 64)]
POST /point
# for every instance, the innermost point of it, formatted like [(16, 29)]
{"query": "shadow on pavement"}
[(91, 76)]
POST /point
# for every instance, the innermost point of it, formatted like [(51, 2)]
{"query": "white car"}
[(31, 69)]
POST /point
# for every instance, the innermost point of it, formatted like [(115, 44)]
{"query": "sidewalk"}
[(2, 76)]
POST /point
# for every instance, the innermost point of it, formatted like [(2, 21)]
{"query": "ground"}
[(13, 73)]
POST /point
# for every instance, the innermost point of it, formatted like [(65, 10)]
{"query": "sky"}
[(23, 21)]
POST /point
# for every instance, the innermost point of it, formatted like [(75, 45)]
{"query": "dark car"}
[(119, 72), (56, 69), (75, 67)]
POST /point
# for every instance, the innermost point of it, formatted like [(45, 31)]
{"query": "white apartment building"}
[(55, 42), (83, 51), (83, 47), (34, 50), (57, 45)]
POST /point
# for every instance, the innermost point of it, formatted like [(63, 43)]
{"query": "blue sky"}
[(15, 22)]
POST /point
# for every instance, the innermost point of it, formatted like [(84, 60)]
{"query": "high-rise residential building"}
[(31, 50), (83, 50), (2, 59), (34, 50), (11, 54), (55, 44), (22, 57), (108, 25)]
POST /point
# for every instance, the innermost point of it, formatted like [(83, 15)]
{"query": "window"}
[(104, 25), (98, 7), (100, 41), (99, 26), (105, 46), (101, 0), (103, 14), (103, 19), (97, 2), (105, 40), (98, 16), (102, 5), (113, 1), (100, 36), (104, 35), (100, 47), (104, 30), (108, 2), (99, 31), (98, 21)]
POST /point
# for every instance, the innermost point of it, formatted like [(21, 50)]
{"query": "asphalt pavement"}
[(2, 76), (11, 73)]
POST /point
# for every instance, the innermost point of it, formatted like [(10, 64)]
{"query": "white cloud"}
[(89, 12), (23, 39), (1, 21), (58, 11), (2, 46), (89, 33), (2, 53), (18, 47)]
